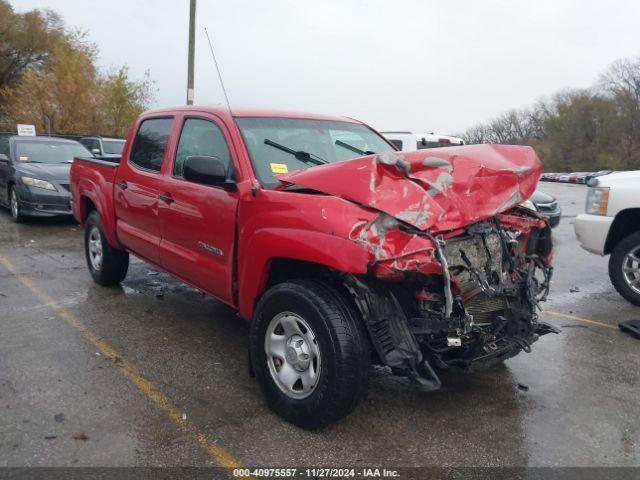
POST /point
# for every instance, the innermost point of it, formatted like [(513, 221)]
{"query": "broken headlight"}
[(530, 205)]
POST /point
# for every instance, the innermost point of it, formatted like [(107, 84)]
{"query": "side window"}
[(150, 142), (4, 146), (201, 137), (397, 144)]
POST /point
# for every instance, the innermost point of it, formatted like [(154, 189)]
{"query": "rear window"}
[(113, 147), (150, 143)]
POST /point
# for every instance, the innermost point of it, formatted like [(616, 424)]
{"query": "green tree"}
[(26, 41), (578, 130), (583, 128), (51, 79), (121, 100), (60, 93)]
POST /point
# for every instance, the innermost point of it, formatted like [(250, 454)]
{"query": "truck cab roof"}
[(222, 111)]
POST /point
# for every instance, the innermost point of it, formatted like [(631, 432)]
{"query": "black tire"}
[(616, 264), (342, 342), (114, 263), (15, 211)]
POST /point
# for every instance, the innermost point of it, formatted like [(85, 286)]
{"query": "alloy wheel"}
[(631, 269)]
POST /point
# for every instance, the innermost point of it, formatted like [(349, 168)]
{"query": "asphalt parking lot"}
[(152, 373)]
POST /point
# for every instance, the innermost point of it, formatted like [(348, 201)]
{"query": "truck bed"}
[(92, 181)]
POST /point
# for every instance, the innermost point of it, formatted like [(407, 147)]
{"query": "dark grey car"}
[(548, 206), (34, 175)]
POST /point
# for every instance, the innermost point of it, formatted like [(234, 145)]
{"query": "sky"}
[(417, 65)]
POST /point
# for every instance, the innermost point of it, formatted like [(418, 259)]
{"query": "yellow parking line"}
[(220, 456), (580, 319)]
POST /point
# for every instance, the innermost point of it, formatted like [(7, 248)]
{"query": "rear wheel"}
[(107, 265), (624, 268), (14, 206), (309, 352)]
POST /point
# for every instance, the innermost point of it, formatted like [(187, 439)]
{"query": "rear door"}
[(198, 221), (137, 187)]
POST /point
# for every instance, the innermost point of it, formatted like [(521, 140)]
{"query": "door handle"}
[(122, 185), (166, 198)]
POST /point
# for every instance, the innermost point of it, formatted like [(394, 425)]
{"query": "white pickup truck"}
[(611, 225)]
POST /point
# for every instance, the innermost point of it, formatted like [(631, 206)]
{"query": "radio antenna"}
[(224, 90)]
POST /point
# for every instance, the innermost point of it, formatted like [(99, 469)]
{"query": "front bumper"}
[(37, 202), (592, 232), (554, 219)]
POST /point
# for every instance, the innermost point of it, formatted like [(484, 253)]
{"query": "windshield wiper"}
[(340, 143), (299, 154)]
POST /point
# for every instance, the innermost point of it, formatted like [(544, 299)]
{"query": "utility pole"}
[(192, 48)]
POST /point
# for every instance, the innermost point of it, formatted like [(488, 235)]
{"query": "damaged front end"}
[(465, 299), (457, 267)]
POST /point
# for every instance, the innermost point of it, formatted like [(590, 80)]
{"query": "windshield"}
[(282, 145), (114, 147), (49, 152)]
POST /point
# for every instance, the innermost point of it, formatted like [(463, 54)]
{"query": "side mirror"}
[(207, 171), (4, 158), (95, 151)]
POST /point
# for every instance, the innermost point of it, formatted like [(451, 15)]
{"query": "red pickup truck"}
[(341, 251)]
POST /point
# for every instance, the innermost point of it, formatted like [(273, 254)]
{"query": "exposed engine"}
[(481, 308)]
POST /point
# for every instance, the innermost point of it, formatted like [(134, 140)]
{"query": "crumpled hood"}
[(437, 189)]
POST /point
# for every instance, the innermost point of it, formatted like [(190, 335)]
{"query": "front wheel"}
[(107, 265), (14, 206), (624, 268), (309, 352)]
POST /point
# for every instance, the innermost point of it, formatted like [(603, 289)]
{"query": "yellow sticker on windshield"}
[(279, 168), (24, 159)]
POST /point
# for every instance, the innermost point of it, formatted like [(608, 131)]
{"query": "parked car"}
[(564, 177), (548, 206), (597, 174), (34, 175), (408, 141), (103, 147), (579, 177), (549, 177), (342, 251), (611, 226)]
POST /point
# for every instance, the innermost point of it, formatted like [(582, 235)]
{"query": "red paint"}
[(353, 226)]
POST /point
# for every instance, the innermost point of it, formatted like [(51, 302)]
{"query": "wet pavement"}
[(577, 403)]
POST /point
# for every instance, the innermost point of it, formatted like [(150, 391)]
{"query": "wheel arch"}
[(624, 224), (274, 255), (86, 207), (86, 204)]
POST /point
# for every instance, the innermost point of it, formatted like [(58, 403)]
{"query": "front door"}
[(198, 221), (6, 171), (137, 188)]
